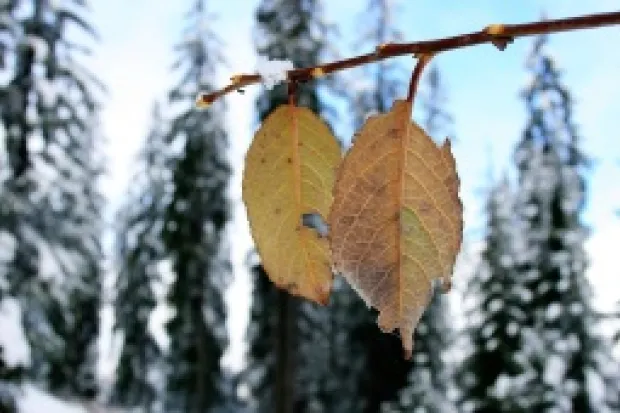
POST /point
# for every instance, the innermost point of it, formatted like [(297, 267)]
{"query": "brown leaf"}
[(396, 221), (289, 174)]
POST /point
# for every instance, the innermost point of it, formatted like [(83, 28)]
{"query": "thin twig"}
[(499, 35)]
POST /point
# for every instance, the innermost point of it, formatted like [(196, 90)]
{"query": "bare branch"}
[(499, 35)]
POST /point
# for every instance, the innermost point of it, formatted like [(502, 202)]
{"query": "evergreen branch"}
[(500, 35)]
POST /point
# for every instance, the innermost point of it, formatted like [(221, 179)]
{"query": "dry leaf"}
[(396, 222), (290, 172)]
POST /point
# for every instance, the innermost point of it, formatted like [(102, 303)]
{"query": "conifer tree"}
[(495, 375), (569, 355), (140, 252), (535, 341), (50, 196), (194, 224), (10, 372)]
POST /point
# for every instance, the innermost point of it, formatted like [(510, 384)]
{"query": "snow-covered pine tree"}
[(430, 379), (50, 197), (494, 377), (194, 224), (11, 370), (574, 368), (140, 252), (288, 368)]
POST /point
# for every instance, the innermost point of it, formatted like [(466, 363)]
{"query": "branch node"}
[(499, 35), (380, 49), (317, 72), (495, 29)]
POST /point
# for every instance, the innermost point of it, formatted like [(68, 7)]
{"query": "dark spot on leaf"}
[(277, 211)]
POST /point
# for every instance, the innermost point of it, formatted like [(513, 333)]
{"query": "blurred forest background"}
[(127, 277)]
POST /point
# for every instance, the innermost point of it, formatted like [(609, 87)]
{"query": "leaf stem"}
[(499, 35), (292, 92), (416, 75)]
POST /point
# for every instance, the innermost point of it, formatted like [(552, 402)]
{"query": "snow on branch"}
[(272, 72)]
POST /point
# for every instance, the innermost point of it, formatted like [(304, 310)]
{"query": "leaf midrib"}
[(297, 182), (400, 194)]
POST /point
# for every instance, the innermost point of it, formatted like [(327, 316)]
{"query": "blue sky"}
[(134, 58)]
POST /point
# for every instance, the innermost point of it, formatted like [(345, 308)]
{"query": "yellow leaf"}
[(396, 221), (289, 172)]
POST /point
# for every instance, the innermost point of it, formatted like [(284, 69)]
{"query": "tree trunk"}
[(287, 309)]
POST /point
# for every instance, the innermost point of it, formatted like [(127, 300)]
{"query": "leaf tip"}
[(446, 285), (322, 292), (323, 300), (407, 339)]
